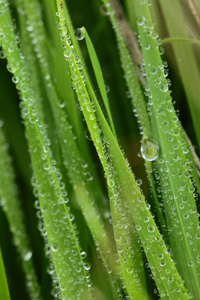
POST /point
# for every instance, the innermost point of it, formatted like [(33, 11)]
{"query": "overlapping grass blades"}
[(185, 58), (11, 206), (4, 292), (138, 100), (73, 156), (121, 184), (64, 248), (45, 68), (98, 75), (174, 168)]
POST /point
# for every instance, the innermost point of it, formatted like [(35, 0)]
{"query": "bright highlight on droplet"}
[(104, 9), (79, 34), (149, 149)]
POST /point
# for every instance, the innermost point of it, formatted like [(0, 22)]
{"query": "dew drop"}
[(2, 35), (86, 266), (149, 149), (67, 53), (54, 247), (139, 182), (163, 87), (185, 150), (83, 254), (104, 9), (79, 34), (140, 21), (28, 256), (150, 228)]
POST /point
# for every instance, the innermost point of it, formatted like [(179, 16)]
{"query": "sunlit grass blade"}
[(98, 74), (57, 228), (123, 185), (130, 74), (60, 92), (129, 275), (185, 58), (137, 97), (11, 206), (4, 291), (75, 167), (179, 202), (155, 11), (83, 182)]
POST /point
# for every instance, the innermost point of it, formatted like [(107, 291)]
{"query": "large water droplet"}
[(79, 34), (149, 149)]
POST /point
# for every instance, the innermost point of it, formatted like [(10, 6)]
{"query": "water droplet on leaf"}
[(79, 34), (28, 256), (104, 9), (149, 149)]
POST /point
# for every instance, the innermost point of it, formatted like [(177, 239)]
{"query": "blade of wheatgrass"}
[(130, 74), (66, 135), (30, 59), (61, 73), (11, 206), (179, 40), (137, 99), (73, 165), (98, 74), (185, 58), (34, 18), (153, 244), (148, 164), (124, 181), (179, 202), (64, 248), (190, 156), (129, 278), (4, 291), (129, 249), (155, 14), (83, 189)]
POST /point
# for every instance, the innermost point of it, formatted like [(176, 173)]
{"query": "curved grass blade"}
[(126, 264), (57, 95), (130, 74), (123, 184), (185, 58), (74, 162), (10, 201), (64, 248), (145, 124), (137, 100), (4, 291), (178, 198), (98, 75)]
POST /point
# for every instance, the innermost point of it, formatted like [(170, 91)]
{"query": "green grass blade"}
[(11, 206), (176, 178), (123, 185), (66, 134), (62, 240), (132, 288), (83, 188), (137, 98), (130, 74), (4, 291), (185, 58), (98, 74)]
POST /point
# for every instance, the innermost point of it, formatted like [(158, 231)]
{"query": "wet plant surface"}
[(99, 145)]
